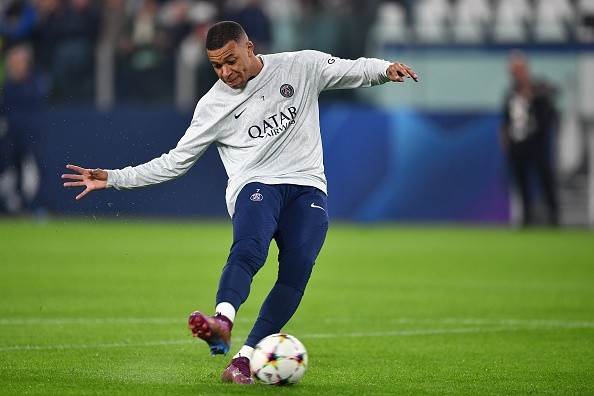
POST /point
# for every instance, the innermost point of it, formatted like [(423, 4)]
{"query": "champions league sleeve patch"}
[(287, 90)]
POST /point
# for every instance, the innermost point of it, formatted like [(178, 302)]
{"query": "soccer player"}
[(263, 116)]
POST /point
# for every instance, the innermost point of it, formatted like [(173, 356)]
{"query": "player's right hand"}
[(91, 179)]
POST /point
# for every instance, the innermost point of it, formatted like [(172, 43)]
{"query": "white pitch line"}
[(329, 321), (61, 347), (502, 322), (86, 321), (395, 333), (93, 321), (416, 332)]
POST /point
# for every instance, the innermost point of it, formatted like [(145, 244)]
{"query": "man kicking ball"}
[(263, 116)]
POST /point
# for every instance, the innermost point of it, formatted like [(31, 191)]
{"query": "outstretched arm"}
[(337, 73), (91, 179)]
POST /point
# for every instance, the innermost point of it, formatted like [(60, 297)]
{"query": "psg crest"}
[(287, 90), (256, 196)]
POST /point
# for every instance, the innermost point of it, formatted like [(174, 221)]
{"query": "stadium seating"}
[(390, 26), (432, 18), (585, 10), (470, 20), (552, 19), (512, 19)]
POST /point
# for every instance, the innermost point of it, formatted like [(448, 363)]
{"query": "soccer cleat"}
[(215, 330), (238, 372)]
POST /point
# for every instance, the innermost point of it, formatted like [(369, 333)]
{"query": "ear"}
[(250, 47)]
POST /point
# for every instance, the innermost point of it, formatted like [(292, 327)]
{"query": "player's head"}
[(231, 54), (518, 66)]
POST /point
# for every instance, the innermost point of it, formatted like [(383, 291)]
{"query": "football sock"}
[(226, 309), (245, 351)]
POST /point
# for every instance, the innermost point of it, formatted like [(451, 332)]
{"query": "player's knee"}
[(295, 271), (297, 283), (250, 254)]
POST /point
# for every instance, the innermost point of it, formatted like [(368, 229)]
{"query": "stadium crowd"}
[(105, 51), (87, 46)]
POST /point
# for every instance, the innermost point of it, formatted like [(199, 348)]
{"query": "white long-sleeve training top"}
[(268, 131)]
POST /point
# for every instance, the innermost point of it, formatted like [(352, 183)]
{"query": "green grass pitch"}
[(92, 306)]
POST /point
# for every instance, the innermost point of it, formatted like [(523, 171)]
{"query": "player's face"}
[(232, 62)]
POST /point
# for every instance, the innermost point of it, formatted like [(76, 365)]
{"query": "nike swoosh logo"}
[(313, 205), (240, 113)]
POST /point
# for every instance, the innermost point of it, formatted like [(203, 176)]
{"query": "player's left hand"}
[(399, 71)]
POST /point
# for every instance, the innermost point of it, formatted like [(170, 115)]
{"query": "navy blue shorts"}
[(296, 217)]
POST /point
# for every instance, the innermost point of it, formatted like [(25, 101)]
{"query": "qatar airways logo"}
[(274, 125)]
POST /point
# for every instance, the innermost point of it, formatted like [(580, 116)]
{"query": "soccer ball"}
[(279, 359)]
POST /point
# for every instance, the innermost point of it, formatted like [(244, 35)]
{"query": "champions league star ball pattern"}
[(279, 359)]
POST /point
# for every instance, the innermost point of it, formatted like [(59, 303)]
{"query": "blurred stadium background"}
[(115, 83)]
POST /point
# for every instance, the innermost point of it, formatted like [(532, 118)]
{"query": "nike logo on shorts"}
[(313, 205)]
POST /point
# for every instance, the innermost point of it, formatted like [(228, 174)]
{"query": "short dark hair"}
[(222, 32)]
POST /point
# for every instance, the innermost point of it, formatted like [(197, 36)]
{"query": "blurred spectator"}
[(338, 27), (194, 76), (175, 17), (283, 15), (250, 15), (67, 32), (93, 48), (113, 25), (529, 119), (22, 99), (45, 35), (359, 16), (113, 21), (17, 22), (320, 26), (145, 67)]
